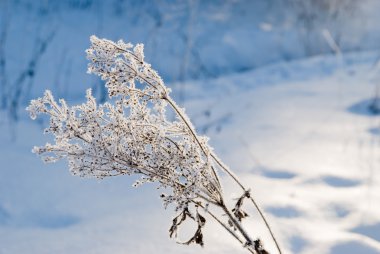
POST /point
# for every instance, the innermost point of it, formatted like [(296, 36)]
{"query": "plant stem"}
[(237, 224), (207, 153), (266, 223), (225, 227), (261, 213), (225, 168), (192, 131)]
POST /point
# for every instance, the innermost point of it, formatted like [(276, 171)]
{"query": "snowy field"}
[(299, 134)]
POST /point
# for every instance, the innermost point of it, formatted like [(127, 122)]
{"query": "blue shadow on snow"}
[(372, 231), (297, 244), (375, 131), (283, 212), (369, 107), (277, 174), (339, 182), (341, 211)]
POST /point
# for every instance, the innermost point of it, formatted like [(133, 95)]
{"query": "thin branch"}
[(224, 226), (261, 213), (238, 226), (192, 131)]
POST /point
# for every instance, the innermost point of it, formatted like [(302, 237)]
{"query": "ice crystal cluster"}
[(133, 135)]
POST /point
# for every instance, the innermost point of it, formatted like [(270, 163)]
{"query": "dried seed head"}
[(131, 135)]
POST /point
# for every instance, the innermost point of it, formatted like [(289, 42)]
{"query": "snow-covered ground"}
[(299, 134)]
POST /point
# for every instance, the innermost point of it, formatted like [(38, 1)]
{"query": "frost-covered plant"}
[(133, 135)]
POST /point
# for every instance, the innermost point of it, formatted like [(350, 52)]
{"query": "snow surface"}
[(299, 134)]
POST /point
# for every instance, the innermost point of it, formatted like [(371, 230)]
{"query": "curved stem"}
[(192, 131), (227, 170), (238, 226), (266, 223), (216, 159), (223, 166), (225, 227), (261, 213)]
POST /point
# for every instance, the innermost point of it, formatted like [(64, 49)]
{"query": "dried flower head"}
[(132, 135)]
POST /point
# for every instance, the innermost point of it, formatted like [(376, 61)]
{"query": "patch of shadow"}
[(341, 211), (340, 182), (4, 216), (353, 247), (368, 107), (375, 131), (277, 174), (284, 212), (297, 244), (372, 231), (54, 221)]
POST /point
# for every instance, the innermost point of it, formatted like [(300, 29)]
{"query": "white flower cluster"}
[(132, 135)]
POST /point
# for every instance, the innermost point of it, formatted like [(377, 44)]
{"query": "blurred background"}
[(288, 91), (43, 42)]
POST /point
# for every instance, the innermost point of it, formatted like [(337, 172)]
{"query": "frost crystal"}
[(132, 135)]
